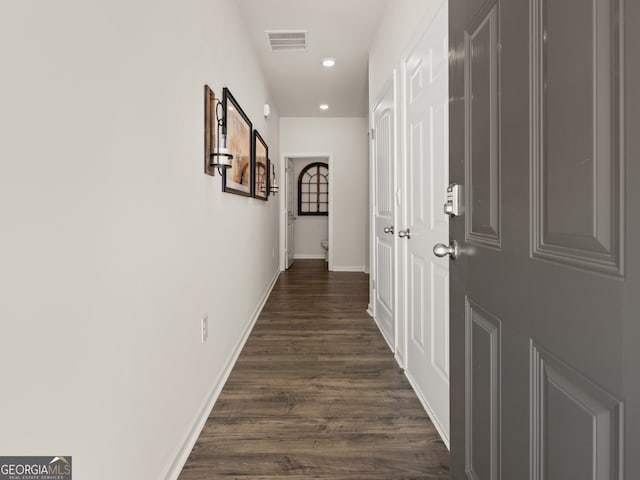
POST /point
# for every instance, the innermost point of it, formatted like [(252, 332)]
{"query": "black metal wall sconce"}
[(274, 187), (221, 157), (216, 154)]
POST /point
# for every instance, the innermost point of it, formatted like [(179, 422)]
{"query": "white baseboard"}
[(309, 256), (342, 268), (175, 468), (400, 359), (428, 409)]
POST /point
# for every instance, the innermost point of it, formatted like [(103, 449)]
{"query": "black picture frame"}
[(260, 167), (238, 179)]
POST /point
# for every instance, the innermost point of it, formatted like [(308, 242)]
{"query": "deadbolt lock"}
[(453, 205)]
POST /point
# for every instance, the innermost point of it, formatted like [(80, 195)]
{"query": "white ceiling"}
[(342, 29)]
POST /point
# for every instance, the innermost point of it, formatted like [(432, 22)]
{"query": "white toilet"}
[(325, 245)]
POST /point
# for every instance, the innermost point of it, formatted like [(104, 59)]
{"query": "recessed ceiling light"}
[(329, 62), (324, 106)]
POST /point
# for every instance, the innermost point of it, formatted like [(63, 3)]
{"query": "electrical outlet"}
[(204, 327)]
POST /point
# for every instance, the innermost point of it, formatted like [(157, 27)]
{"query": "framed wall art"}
[(260, 167), (238, 128)]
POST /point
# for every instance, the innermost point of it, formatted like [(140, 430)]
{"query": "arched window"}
[(313, 189)]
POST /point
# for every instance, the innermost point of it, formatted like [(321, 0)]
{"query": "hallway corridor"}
[(317, 394)]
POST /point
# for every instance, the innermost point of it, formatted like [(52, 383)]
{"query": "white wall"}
[(346, 140), (309, 230), (114, 243), (402, 20)]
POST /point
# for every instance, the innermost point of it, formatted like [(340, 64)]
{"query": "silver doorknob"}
[(405, 233), (388, 229), (442, 250)]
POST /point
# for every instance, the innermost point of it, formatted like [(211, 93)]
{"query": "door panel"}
[(482, 387), (418, 183), (577, 100), (568, 409), (384, 213), (427, 171), (384, 290), (417, 311), (439, 334), (482, 156), (439, 175), (541, 318)]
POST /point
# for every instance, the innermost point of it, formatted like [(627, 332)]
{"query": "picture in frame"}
[(209, 129), (238, 128), (260, 167)]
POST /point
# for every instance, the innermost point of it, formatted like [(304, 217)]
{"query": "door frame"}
[(289, 169), (283, 204)]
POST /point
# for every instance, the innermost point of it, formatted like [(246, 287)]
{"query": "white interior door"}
[(290, 212), (426, 176), (384, 214)]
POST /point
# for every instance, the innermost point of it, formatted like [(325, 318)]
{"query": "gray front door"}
[(545, 291)]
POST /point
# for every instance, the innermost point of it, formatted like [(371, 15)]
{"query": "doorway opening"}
[(307, 209)]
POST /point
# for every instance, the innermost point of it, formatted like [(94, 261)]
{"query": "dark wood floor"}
[(316, 394)]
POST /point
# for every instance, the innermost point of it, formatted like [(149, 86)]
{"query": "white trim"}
[(309, 256), (345, 268), (373, 273), (401, 254), (400, 359), (398, 312), (428, 409), (282, 172), (372, 297), (371, 270), (330, 219), (176, 466)]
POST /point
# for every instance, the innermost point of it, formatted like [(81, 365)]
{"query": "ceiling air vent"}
[(287, 40)]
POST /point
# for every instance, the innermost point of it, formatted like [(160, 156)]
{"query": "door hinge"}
[(373, 133)]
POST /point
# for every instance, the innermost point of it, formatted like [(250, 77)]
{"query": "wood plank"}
[(316, 394)]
